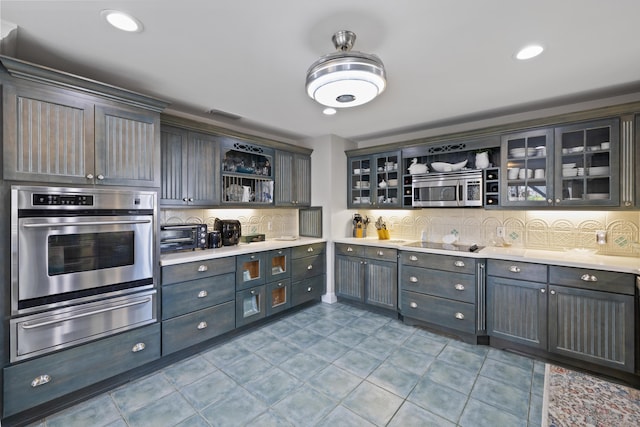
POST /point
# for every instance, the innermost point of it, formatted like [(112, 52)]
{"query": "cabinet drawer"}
[(250, 305), (517, 270), (186, 297), (439, 262), (598, 280), (26, 385), (440, 311), (307, 290), (278, 264), (349, 250), (250, 270), (303, 268), (278, 296), (306, 250), (184, 331), (383, 254), (196, 270), (456, 286)]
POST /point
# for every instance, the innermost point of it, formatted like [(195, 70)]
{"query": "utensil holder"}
[(383, 234)]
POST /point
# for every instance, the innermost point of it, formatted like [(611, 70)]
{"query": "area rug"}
[(575, 399)]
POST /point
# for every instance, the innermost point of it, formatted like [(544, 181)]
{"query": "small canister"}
[(215, 239)]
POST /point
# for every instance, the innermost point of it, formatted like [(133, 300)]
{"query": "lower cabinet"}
[(367, 274), (581, 314), (308, 273), (250, 305), (40, 380), (197, 302), (442, 290)]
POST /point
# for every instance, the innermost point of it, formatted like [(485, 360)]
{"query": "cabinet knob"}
[(253, 292), (309, 249), (550, 201), (202, 268), (413, 304), (202, 325), (514, 269), (589, 278), (380, 253), (100, 177), (459, 316), (459, 287), (309, 289), (41, 380), (552, 292), (89, 176), (459, 263), (138, 347), (557, 200), (413, 279), (252, 256), (627, 203), (280, 285), (309, 267), (349, 249), (191, 199), (184, 199), (543, 290), (202, 294), (413, 258)]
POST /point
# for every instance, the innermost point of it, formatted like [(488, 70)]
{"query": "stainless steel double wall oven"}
[(82, 264)]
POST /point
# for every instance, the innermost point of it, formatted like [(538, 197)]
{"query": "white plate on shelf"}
[(596, 196), (598, 170), (287, 238)]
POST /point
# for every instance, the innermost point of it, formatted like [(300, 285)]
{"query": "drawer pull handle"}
[(309, 249), (514, 269), (252, 257), (253, 292), (459, 263), (89, 176), (280, 284), (202, 325), (202, 294), (380, 253), (41, 380), (202, 268), (553, 292), (413, 279), (138, 347), (413, 258), (310, 267), (589, 278), (459, 287), (349, 249), (309, 289), (413, 304), (459, 316), (542, 291)]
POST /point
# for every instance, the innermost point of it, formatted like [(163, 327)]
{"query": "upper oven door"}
[(435, 192), (67, 254)]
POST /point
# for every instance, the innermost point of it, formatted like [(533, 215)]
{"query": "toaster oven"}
[(183, 237)]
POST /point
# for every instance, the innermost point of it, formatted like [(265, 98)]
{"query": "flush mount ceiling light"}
[(345, 78), (122, 21), (529, 52)]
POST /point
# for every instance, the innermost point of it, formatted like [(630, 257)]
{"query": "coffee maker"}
[(230, 230)]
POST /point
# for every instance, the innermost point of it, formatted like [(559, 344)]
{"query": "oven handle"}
[(66, 224), (26, 325)]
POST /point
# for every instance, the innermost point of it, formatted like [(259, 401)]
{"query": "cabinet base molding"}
[(447, 332)]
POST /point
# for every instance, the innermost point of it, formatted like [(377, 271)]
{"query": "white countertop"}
[(567, 259), (240, 249)]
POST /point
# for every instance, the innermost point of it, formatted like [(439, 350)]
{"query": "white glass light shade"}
[(122, 21), (346, 80)]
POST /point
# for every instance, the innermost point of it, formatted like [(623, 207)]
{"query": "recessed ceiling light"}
[(122, 21), (329, 111), (529, 52)]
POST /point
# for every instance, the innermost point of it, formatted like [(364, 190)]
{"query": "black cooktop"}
[(446, 246)]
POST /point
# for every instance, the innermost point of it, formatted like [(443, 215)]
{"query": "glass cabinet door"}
[(249, 270), (527, 179), (278, 264), (359, 182), (278, 296), (388, 179), (250, 305), (588, 170)]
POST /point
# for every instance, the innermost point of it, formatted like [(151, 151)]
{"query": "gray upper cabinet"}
[(292, 179), (567, 166), (189, 168), (375, 181), (59, 129)]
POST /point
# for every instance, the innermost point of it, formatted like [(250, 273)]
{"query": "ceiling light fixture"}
[(122, 21), (346, 78), (329, 111), (529, 52)]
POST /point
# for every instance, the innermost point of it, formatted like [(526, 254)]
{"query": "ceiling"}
[(445, 60)]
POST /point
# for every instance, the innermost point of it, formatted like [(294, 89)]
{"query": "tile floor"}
[(328, 365)]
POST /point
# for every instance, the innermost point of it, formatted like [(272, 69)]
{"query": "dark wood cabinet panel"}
[(292, 179)]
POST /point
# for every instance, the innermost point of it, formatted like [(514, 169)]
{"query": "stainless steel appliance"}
[(183, 237), (230, 230), (82, 265), (447, 189)]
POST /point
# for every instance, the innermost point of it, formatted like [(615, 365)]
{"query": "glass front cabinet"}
[(375, 181), (573, 165)]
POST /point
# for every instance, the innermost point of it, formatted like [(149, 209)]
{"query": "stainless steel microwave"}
[(447, 189)]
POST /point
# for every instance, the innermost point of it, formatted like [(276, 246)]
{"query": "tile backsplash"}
[(554, 230), (270, 222)]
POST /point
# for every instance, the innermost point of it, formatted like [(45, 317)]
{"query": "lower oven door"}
[(59, 255), (57, 329)]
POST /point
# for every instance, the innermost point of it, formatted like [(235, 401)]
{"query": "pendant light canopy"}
[(346, 78)]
